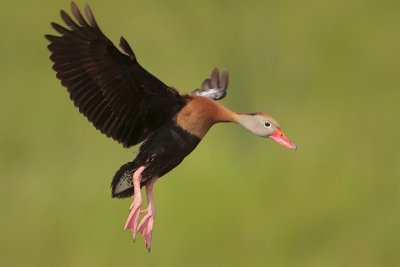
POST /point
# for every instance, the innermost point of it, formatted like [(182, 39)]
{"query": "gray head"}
[(262, 124)]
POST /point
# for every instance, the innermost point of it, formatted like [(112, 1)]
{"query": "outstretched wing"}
[(214, 88), (109, 87)]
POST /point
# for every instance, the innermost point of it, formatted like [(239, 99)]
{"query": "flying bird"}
[(127, 103)]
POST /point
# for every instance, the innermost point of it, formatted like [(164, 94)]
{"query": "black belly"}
[(160, 153)]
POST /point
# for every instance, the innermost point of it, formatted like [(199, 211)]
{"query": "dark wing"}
[(109, 87), (214, 88)]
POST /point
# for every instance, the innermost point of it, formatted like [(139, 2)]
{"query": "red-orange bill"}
[(279, 137)]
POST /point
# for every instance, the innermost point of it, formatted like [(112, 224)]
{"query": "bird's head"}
[(264, 125)]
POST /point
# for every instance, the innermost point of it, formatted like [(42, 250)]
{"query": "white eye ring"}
[(267, 124)]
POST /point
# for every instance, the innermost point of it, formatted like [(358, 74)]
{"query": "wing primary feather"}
[(126, 48), (91, 19), (224, 79), (78, 15), (206, 85), (60, 28), (67, 19), (52, 38), (214, 78)]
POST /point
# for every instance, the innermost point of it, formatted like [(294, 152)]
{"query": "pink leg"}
[(146, 225), (132, 221)]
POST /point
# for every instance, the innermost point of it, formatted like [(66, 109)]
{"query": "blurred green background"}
[(328, 71)]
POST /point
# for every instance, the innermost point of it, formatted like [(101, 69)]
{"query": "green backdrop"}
[(328, 71)]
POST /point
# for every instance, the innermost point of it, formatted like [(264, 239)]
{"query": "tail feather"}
[(122, 183)]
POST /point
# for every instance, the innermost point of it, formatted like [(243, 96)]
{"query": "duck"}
[(127, 103)]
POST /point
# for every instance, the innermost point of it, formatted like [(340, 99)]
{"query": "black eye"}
[(267, 124)]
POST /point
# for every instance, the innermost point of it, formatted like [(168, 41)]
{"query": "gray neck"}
[(251, 123)]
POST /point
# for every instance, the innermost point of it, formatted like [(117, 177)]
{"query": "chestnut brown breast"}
[(200, 113)]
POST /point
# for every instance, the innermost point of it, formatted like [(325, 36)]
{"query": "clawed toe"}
[(132, 221), (146, 229)]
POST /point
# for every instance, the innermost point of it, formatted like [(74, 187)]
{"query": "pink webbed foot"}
[(132, 221), (146, 225), (146, 229)]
